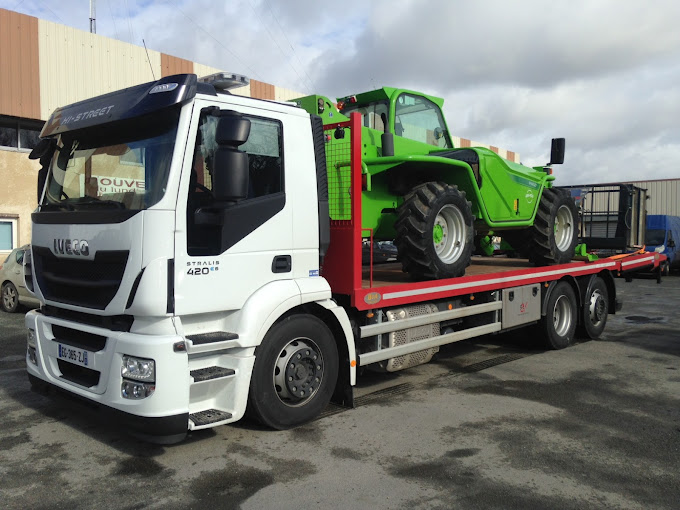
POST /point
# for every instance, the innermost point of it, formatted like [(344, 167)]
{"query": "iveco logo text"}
[(71, 247)]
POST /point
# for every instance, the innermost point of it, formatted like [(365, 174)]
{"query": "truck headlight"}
[(30, 347), (136, 390), (139, 369)]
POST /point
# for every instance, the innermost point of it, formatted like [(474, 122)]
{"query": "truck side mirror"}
[(557, 151), (230, 175), (43, 151)]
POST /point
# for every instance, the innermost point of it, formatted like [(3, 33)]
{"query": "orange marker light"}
[(450, 306), (353, 363)]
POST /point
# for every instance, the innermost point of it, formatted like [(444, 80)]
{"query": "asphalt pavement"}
[(492, 423)]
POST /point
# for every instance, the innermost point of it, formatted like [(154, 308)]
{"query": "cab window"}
[(417, 118)]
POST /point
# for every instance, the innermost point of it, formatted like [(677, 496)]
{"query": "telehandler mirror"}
[(557, 151), (230, 175)]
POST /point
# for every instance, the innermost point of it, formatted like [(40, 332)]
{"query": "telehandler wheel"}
[(595, 309), (435, 231), (559, 322), (554, 235), (296, 368)]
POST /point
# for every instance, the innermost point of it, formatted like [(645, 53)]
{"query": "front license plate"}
[(74, 355)]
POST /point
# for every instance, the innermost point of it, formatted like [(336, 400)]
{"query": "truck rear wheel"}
[(435, 231), (559, 322), (296, 368), (595, 309), (553, 237)]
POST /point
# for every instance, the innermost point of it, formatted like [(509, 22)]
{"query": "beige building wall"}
[(18, 198), (503, 153), (76, 65), (664, 196)]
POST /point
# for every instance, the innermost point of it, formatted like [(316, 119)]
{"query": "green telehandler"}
[(432, 199)]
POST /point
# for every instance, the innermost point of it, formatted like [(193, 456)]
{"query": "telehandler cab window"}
[(419, 119), (373, 115)]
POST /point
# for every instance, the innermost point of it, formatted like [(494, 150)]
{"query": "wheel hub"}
[(298, 372), (449, 234), (597, 307), (564, 228), (561, 316)]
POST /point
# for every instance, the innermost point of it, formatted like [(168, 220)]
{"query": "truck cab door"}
[(224, 252)]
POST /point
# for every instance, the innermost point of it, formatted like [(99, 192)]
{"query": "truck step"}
[(209, 416), (205, 374)]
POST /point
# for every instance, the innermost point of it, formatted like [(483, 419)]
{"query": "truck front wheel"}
[(553, 236), (559, 322), (296, 368), (435, 231)]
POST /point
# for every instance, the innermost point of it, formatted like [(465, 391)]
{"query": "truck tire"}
[(296, 368), (595, 309), (553, 237), (559, 322), (435, 231), (10, 298)]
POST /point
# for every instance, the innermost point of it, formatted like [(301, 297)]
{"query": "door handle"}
[(282, 264)]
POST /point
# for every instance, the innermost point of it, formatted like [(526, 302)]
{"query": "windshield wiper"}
[(59, 206), (91, 201)]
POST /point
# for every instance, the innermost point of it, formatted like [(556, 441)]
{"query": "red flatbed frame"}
[(385, 285)]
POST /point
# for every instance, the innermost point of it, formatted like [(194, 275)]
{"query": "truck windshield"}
[(123, 165), (655, 237)]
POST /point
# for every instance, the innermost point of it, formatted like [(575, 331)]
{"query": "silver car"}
[(14, 290)]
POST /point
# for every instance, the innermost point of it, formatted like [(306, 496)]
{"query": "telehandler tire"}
[(554, 234), (435, 231)]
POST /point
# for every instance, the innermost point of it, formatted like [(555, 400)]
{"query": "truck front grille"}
[(78, 375), (87, 283), (77, 338)]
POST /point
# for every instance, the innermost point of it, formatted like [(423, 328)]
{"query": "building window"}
[(22, 134), (8, 234)]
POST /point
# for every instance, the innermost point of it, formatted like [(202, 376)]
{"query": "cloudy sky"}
[(605, 74)]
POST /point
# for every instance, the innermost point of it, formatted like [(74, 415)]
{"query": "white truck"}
[(189, 268)]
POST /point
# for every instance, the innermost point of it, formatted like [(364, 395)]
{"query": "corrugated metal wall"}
[(664, 196), (174, 65), (76, 65), (19, 86), (261, 90)]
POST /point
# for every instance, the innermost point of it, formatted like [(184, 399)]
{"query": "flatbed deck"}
[(382, 285), (391, 274)]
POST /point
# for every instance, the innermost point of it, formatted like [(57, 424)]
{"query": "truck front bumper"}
[(92, 373)]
